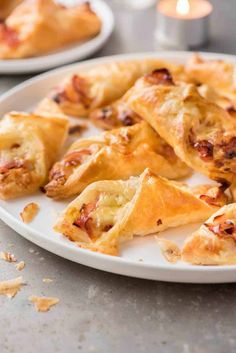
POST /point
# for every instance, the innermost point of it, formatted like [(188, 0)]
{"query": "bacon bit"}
[(224, 229), (20, 266), (159, 222), (6, 256), (169, 153), (107, 227), (215, 196), (29, 212), (9, 35), (76, 157), (205, 150), (169, 250), (15, 145), (84, 221), (15, 164), (11, 287), (229, 148), (231, 109), (57, 174), (160, 77), (77, 129), (43, 303), (128, 117)]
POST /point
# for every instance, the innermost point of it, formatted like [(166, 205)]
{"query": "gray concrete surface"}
[(104, 313)]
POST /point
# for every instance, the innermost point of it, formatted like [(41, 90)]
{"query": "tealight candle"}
[(182, 24)]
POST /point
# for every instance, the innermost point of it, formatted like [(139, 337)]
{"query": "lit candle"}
[(182, 24)]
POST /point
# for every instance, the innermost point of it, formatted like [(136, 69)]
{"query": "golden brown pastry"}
[(29, 145), (118, 154), (214, 243), (115, 115), (202, 134), (217, 78), (110, 212), (36, 27), (7, 6), (99, 86)]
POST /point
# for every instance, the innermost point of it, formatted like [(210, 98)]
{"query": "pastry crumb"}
[(11, 287), (31, 250), (47, 280), (169, 250), (43, 304), (29, 212), (20, 266), (7, 256)]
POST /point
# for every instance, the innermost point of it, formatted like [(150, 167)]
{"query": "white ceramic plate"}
[(67, 54), (139, 257)]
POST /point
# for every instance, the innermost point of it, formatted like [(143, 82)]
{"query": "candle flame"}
[(182, 7)]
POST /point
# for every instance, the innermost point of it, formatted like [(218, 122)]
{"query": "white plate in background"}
[(140, 257), (67, 54)]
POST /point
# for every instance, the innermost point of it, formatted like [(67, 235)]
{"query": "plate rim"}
[(107, 262), (65, 56)]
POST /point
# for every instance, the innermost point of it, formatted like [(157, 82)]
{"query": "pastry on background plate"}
[(117, 154), (201, 133), (83, 92), (37, 27), (29, 145), (6, 7), (110, 212), (214, 243)]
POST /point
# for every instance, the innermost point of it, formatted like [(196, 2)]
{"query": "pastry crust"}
[(99, 86), (215, 241), (109, 212), (118, 154), (217, 78), (29, 145), (7, 6), (201, 133), (115, 115), (39, 26)]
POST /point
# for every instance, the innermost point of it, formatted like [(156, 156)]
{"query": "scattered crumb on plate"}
[(20, 266), (43, 303), (169, 250), (7, 256), (47, 280), (29, 212), (11, 287), (31, 250)]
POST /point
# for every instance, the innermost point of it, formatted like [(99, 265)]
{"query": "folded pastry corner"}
[(39, 26), (81, 93), (29, 145), (110, 212), (117, 154), (214, 243), (201, 133)]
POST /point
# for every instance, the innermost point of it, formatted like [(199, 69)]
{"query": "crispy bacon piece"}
[(229, 148), (9, 35), (75, 91), (75, 158), (231, 109), (84, 221), (160, 77), (205, 150), (222, 227), (216, 196), (15, 164)]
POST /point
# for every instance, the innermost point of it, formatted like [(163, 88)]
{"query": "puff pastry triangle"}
[(117, 154), (109, 212)]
